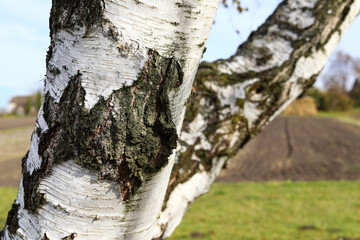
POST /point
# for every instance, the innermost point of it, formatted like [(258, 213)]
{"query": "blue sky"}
[(24, 40), (223, 40)]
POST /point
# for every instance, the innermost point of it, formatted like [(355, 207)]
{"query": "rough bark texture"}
[(123, 138), (235, 98), (119, 74)]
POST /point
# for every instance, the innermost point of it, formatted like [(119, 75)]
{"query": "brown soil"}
[(10, 173), (298, 148), (15, 134), (6, 123)]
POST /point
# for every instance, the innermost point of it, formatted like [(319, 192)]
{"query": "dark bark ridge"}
[(269, 93), (12, 220), (74, 14), (122, 143)]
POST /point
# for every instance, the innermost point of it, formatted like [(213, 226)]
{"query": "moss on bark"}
[(269, 93), (125, 138)]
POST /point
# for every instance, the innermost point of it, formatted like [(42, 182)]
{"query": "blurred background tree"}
[(339, 94), (38, 100)]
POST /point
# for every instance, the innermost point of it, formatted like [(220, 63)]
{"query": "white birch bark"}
[(104, 53), (109, 62)]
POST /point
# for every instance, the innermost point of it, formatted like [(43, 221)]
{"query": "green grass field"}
[(351, 117), (7, 196), (271, 211), (288, 210)]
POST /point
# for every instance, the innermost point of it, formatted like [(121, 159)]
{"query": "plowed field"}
[(299, 148)]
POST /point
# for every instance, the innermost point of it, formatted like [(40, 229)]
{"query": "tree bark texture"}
[(237, 97), (119, 75)]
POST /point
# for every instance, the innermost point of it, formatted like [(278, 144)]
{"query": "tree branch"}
[(238, 96)]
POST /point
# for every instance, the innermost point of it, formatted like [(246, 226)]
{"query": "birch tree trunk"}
[(118, 77), (119, 74)]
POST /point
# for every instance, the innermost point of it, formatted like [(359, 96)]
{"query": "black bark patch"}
[(45, 237), (345, 13), (183, 5), (125, 138), (68, 14), (12, 220), (30, 182), (263, 59), (70, 237), (49, 53), (33, 199)]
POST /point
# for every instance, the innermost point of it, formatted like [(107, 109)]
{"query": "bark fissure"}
[(67, 14), (72, 236), (12, 220)]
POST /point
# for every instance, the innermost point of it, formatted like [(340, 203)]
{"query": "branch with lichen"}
[(237, 97)]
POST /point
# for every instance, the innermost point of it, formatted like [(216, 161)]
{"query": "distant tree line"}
[(337, 95)]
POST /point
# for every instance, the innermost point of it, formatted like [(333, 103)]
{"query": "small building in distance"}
[(25, 105)]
